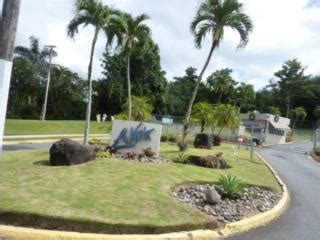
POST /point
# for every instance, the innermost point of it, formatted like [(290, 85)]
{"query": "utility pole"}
[(8, 28), (44, 107)]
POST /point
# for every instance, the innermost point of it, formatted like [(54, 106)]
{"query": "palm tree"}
[(203, 113), (141, 107), (246, 94), (212, 17), (130, 31), (221, 83), (227, 116), (91, 12), (36, 59)]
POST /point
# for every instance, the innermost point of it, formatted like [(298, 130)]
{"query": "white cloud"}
[(283, 30)]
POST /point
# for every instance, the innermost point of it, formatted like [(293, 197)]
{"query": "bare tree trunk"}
[(129, 87), (187, 118), (8, 28), (88, 114)]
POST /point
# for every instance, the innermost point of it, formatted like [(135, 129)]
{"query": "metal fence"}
[(316, 139)]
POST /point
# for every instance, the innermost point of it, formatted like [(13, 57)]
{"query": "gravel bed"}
[(143, 159), (254, 200)]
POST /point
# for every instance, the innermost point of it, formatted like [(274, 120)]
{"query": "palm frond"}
[(201, 33)]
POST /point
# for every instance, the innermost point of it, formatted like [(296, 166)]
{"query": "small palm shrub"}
[(103, 154), (182, 157), (231, 185)]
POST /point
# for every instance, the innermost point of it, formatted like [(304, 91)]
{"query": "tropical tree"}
[(246, 95), (141, 107), (293, 82), (202, 112), (275, 111), (316, 113), (130, 31), (298, 113), (212, 17), (226, 116), (221, 83), (94, 13)]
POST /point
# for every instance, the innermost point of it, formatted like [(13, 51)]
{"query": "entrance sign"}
[(135, 136)]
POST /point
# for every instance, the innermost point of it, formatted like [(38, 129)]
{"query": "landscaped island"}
[(110, 195)]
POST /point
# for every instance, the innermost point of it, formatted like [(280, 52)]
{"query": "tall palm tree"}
[(130, 31), (91, 12), (212, 17), (37, 61)]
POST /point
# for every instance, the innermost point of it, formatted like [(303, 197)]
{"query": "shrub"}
[(216, 140), (232, 186), (202, 140), (148, 152), (172, 138), (97, 141), (289, 137), (103, 154), (131, 155), (182, 157), (317, 151), (164, 138)]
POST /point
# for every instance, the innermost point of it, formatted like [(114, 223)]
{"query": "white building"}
[(268, 128)]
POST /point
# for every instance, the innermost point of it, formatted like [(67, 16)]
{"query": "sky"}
[(283, 29)]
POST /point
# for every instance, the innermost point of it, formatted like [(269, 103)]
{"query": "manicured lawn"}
[(34, 127), (111, 195)]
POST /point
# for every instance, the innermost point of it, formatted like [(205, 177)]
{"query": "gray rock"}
[(69, 152), (212, 196)]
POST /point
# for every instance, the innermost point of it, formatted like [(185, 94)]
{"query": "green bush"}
[(317, 151), (103, 154), (232, 187), (172, 139), (97, 141), (289, 137), (164, 138)]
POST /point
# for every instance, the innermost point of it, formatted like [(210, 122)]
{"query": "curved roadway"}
[(301, 221)]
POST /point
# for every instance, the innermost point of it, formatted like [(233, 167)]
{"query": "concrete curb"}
[(21, 233)]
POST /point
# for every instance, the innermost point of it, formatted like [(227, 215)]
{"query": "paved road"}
[(301, 221)]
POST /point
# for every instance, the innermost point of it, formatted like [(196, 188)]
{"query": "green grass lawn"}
[(35, 127), (111, 195)]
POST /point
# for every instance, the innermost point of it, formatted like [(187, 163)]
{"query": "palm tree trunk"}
[(88, 114), (288, 106), (187, 119), (129, 87)]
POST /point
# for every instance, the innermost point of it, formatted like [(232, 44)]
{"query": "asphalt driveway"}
[(301, 221)]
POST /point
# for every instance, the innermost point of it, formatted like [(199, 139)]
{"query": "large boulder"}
[(69, 152), (212, 196), (209, 161)]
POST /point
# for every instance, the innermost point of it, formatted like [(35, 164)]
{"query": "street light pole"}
[(44, 107), (8, 28)]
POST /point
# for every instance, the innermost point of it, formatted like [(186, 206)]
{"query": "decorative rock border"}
[(232, 228)]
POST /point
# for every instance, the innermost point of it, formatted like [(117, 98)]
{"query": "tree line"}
[(132, 68)]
